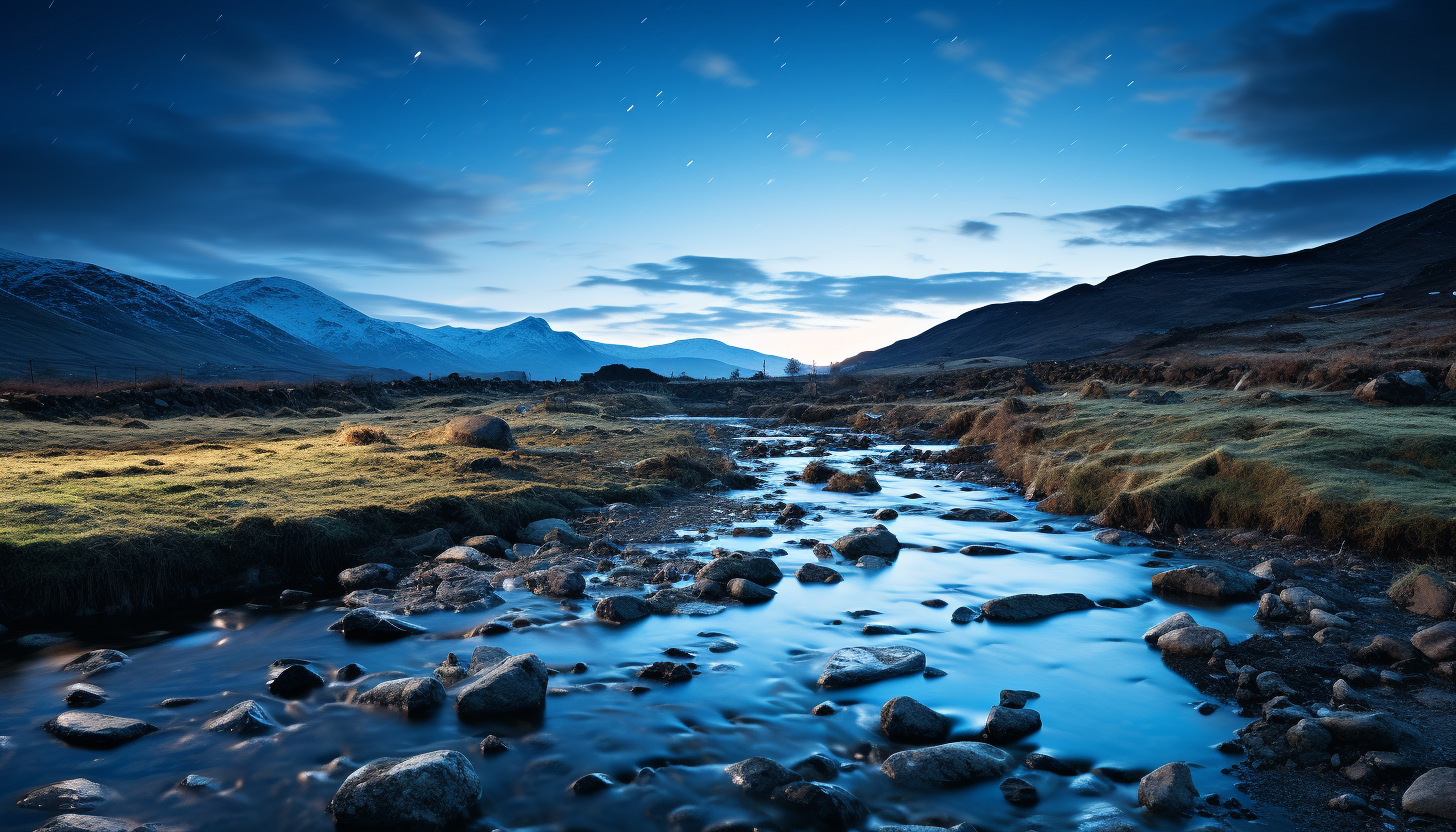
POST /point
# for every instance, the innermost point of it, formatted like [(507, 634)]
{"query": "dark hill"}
[(1405, 257)]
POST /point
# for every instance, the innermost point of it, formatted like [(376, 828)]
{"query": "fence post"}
[(96, 373), (32, 370)]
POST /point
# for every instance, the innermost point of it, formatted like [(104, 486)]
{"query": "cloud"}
[(250, 58), (174, 190), (595, 313), (978, 229), (1277, 216), (418, 27), (1070, 65), (720, 317), (707, 275), (716, 66), (937, 19), (389, 307), (1362, 82)]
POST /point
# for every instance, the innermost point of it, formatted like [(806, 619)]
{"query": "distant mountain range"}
[(1408, 257), (66, 318)]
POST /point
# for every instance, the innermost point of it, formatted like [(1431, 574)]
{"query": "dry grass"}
[(363, 435)]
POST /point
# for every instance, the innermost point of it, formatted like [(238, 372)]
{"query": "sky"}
[(805, 178)]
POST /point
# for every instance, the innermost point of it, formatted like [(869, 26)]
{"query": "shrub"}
[(363, 435)]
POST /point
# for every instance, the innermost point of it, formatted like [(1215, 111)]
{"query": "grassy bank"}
[(96, 516)]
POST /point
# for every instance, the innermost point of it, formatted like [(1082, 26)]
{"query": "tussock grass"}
[(363, 435)]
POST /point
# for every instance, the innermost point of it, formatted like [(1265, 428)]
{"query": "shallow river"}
[(1106, 697)]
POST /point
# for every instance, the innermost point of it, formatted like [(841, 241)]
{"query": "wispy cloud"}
[(715, 66), (978, 229)]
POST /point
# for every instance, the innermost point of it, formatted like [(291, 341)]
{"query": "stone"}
[(762, 571), (978, 514), (1385, 649), (485, 657), (1371, 731), (246, 717), (1273, 570), (1271, 684), (415, 696), (1208, 580), (71, 822), (1011, 724), (1322, 619), (77, 795), (536, 532), (349, 672), (1424, 592), (950, 764), (590, 784), (859, 482), (1174, 622), (1437, 642), (97, 661), (1037, 761), (1307, 736), (1119, 537), (748, 592), (559, 582), (487, 544), (514, 687), (868, 540), (1433, 793), (1192, 641), (962, 615), (619, 609), (367, 576), (886, 514), (1168, 790), (294, 597), (1017, 698), (1347, 803), (1018, 792), (906, 720), (294, 682), (428, 544), (1344, 696), (852, 666), (872, 562), (1027, 607), (1401, 388), (425, 792), (760, 776), (93, 730), (1271, 608), (666, 672), (493, 745), (979, 550), (814, 573), (82, 695), (825, 806), (369, 625), (817, 767), (480, 432), (1300, 599)]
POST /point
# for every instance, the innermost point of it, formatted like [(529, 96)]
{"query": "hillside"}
[(1403, 259)]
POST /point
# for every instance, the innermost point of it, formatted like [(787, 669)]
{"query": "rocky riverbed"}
[(887, 639)]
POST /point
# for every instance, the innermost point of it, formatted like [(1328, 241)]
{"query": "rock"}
[(197, 782), (1028, 606), (1018, 792), (762, 571), (367, 576), (1272, 684), (979, 515), (1424, 592), (1175, 622), (1017, 698), (619, 609), (1271, 608), (1090, 785), (485, 657), (1119, 537), (294, 597), (905, 720), (852, 666), (1397, 388), (97, 661), (415, 696), (92, 730), (951, 764), (1273, 570), (426, 792), (480, 432), (1322, 619), (1306, 736), (869, 540), (1192, 641), (429, 544), (488, 545), (246, 717), (817, 472), (1011, 724), (886, 514), (823, 806), (793, 511), (1299, 599), (817, 767), (749, 592), (1344, 696), (348, 672), (78, 795), (1433, 793), (90, 823), (1437, 642), (40, 641), (814, 573), (1371, 731), (962, 615), (1168, 790), (979, 550), (857, 483), (872, 562), (369, 625), (294, 682), (590, 784), (536, 532), (666, 672), (882, 630), (82, 695), (493, 745), (559, 582), (1036, 761), (515, 686), (760, 776), (1209, 580)]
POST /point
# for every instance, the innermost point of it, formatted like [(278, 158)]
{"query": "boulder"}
[(78, 795), (1027, 607), (90, 823), (294, 681), (1307, 736), (93, 730), (748, 592), (82, 695), (367, 576), (480, 432), (1300, 599), (557, 581), (1433, 793), (415, 696), (1437, 642), (1209, 580), (590, 784), (369, 625), (1176, 621), (905, 720), (488, 545), (979, 514), (428, 544), (1192, 641), (426, 792), (760, 776), (246, 717), (97, 661), (1271, 608), (1370, 731), (1011, 724), (951, 764), (1273, 570), (817, 472), (856, 483), (814, 573), (852, 666), (762, 571), (1397, 388), (536, 532), (1018, 792), (485, 657), (515, 686), (1424, 592), (1017, 698), (868, 540), (822, 806), (1168, 790), (619, 609)]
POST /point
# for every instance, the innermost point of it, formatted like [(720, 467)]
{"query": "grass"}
[(97, 517)]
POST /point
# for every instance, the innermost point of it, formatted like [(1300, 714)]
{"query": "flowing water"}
[(1106, 697)]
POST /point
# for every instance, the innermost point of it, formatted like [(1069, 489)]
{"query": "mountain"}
[(529, 344), (697, 357), (1402, 258), (72, 318)]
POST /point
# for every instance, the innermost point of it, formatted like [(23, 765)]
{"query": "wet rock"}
[(979, 515), (425, 792), (813, 573), (859, 482), (1018, 792), (1348, 803), (1192, 641), (1010, 724), (92, 730), (1322, 619), (1174, 622), (868, 540), (450, 672), (817, 472), (294, 597), (493, 745), (369, 625), (1372, 731), (978, 550), (1027, 607), (1168, 790), (479, 431), (78, 795), (762, 571), (951, 764), (88, 823), (882, 630), (591, 784), (1271, 684), (246, 717), (666, 672), (1396, 387), (294, 682), (1384, 649), (1437, 642), (793, 511), (1271, 608), (489, 545), (824, 709), (485, 657), (905, 720), (196, 782), (415, 696), (962, 615), (872, 562), (821, 805), (1037, 761), (886, 514), (1424, 592), (1306, 736), (620, 609), (1300, 599), (760, 776), (1344, 696), (1433, 793), (1209, 580), (817, 767), (367, 576), (1017, 698), (1090, 785), (852, 666), (559, 582), (1273, 570), (749, 592), (348, 672), (1119, 537), (82, 695), (515, 686), (535, 533), (97, 661)]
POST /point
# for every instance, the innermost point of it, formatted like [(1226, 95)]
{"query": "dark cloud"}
[(595, 313), (1277, 216), (721, 276), (178, 191), (976, 228), (1359, 83), (720, 317)]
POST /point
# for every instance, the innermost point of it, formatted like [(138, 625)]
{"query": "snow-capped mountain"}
[(746, 361), (530, 345)]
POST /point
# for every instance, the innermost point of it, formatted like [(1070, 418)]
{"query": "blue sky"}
[(807, 178)]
